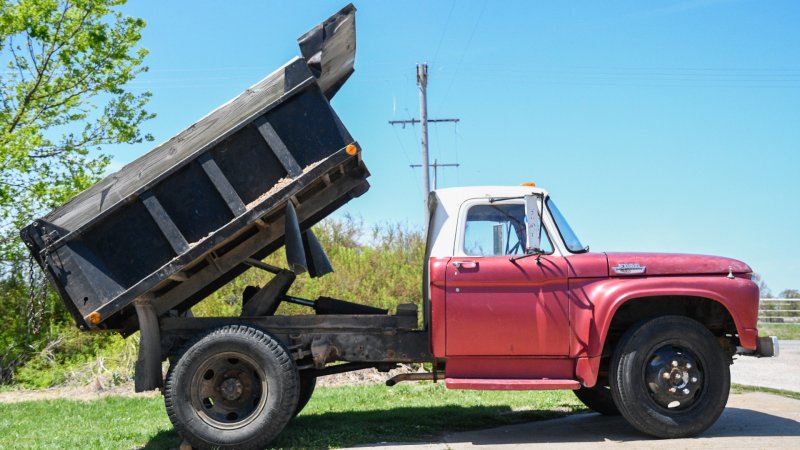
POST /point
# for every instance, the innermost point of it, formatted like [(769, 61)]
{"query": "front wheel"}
[(669, 377), (235, 387), (598, 399)]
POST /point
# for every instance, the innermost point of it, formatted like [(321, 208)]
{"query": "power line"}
[(422, 83), (435, 166)]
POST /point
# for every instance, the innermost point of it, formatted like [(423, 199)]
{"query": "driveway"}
[(778, 373), (752, 420)]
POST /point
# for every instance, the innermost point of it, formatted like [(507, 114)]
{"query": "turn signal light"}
[(529, 184), (351, 149), (93, 318)]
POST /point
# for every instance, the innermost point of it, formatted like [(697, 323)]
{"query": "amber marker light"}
[(529, 184), (94, 318), (351, 149)]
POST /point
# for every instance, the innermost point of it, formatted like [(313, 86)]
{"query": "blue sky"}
[(657, 126)]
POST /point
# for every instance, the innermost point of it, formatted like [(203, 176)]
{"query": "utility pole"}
[(435, 166), (422, 83)]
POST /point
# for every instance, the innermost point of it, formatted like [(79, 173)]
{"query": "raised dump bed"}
[(185, 218)]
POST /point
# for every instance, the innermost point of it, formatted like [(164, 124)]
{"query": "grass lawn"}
[(335, 417), (740, 388), (784, 331)]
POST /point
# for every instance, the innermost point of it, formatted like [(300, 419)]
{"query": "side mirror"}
[(533, 223)]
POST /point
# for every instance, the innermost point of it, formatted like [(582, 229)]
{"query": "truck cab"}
[(516, 301)]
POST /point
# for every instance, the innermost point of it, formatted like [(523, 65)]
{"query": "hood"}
[(633, 264)]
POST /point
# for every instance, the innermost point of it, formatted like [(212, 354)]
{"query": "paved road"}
[(752, 420), (782, 372)]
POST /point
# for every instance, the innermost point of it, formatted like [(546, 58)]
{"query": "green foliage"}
[(335, 417), (784, 331), (380, 266), (63, 97), (789, 293), (78, 358)]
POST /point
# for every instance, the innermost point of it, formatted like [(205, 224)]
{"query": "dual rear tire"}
[(235, 387)]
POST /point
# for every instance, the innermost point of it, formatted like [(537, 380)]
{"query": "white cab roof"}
[(459, 194), (447, 202)]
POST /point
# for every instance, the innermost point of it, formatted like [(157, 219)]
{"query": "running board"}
[(510, 384)]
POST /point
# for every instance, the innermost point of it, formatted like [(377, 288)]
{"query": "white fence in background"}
[(779, 310)]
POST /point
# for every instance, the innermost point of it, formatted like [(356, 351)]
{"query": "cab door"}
[(498, 306)]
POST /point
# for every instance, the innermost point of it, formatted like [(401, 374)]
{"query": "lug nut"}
[(674, 363), (694, 379), (673, 390), (665, 376), (686, 391), (688, 365)]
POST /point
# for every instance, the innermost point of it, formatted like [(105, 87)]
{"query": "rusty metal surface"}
[(320, 340)]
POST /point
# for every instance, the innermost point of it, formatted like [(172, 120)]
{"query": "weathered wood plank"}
[(278, 147), (165, 224), (222, 184)]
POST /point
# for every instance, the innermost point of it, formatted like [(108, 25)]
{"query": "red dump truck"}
[(511, 299)]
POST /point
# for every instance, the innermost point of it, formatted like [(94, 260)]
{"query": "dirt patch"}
[(95, 391), (84, 393), (365, 376)]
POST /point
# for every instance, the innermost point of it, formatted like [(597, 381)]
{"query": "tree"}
[(789, 293), (63, 98), (763, 290)]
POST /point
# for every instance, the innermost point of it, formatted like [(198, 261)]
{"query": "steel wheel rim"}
[(229, 390), (674, 377)]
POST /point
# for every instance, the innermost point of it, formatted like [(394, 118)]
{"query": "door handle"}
[(465, 264)]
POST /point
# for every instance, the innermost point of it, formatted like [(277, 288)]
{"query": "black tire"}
[(307, 384), (669, 377), (598, 399), (235, 387)]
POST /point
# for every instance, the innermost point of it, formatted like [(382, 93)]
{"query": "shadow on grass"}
[(163, 440), (409, 424)]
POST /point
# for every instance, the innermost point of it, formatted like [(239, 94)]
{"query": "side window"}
[(497, 230)]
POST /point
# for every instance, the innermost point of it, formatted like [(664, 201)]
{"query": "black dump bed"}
[(180, 221)]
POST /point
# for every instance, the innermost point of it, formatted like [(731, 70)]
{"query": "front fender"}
[(594, 303)]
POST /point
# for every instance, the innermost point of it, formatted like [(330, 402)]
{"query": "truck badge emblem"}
[(629, 268)]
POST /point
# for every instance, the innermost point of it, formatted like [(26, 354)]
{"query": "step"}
[(492, 384)]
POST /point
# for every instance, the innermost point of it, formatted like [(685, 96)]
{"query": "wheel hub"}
[(228, 390), (673, 377), (231, 388)]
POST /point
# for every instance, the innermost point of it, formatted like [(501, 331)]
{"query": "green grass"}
[(787, 331), (335, 417), (741, 388), (112, 422)]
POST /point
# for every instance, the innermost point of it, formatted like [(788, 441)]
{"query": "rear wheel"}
[(236, 387), (669, 377), (307, 384), (598, 399)]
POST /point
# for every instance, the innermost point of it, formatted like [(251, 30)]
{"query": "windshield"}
[(570, 239)]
